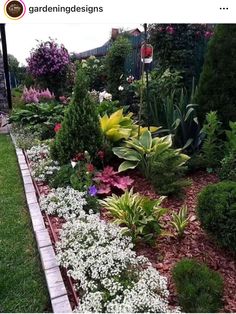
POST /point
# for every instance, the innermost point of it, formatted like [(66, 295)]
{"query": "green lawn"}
[(22, 284)]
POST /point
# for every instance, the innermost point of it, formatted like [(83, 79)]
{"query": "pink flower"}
[(101, 154), (63, 100), (208, 35), (57, 127), (170, 30)]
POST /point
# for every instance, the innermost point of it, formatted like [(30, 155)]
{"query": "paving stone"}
[(25, 173), (19, 152), (61, 305), (48, 257), (31, 198), (43, 238), (38, 223), (35, 210), (21, 159), (29, 187), (55, 283), (24, 166), (27, 179)]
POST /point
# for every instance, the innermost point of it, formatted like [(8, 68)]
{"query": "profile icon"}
[(14, 9)]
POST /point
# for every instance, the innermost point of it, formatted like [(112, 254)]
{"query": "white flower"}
[(42, 166), (100, 258), (73, 163), (65, 202), (120, 88), (104, 95)]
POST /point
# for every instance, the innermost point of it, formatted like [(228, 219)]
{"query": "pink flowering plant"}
[(33, 95), (108, 181)]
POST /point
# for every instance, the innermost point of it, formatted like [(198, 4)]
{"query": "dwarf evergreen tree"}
[(80, 129), (216, 91)]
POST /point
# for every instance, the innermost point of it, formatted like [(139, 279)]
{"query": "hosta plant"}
[(136, 152), (119, 126), (138, 215), (109, 180), (139, 152), (180, 220)]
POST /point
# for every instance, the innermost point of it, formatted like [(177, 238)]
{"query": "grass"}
[(22, 284)]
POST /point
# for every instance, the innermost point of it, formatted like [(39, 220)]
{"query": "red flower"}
[(101, 154), (78, 157), (90, 168), (57, 127)]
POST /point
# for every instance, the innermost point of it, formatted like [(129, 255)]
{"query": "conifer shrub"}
[(217, 212), (199, 289), (80, 129), (216, 89)]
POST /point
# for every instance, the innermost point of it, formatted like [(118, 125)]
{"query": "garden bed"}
[(169, 250), (195, 244)]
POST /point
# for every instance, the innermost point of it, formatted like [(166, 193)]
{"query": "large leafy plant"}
[(119, 126), (157, 161), (35, 114), (138, 215)]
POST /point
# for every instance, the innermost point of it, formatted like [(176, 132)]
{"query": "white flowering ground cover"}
[(43, 167), (64, 202), (109, 276)]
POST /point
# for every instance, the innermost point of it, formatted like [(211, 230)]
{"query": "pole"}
[(5, 63), (147, 78)]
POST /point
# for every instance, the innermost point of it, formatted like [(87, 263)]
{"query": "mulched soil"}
[(195, 243)]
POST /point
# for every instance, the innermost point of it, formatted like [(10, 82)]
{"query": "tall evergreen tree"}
[(80, 129), (217, 86)]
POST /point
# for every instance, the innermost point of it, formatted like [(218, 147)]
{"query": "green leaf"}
[(127, 165), (146, 140), (127, 153)]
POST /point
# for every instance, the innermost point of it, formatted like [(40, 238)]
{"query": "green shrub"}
[(138, 215), (199, 289), (167, 170), (217, 212), (230, 145), (228, 168), (62, 177), (80, 129), (108, 107), (180, 47), (115, 64), (212, 144), (217, 82)]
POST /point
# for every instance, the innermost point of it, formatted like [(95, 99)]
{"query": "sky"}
[(21, 38)]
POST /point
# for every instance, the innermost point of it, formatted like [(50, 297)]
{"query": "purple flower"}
[(93, 190), (48, 58)]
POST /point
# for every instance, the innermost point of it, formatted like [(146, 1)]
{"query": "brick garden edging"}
[(56, 288)]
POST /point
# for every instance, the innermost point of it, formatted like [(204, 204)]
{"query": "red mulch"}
[(195, 244)]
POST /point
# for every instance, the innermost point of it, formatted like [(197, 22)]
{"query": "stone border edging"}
[(56, 288)]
